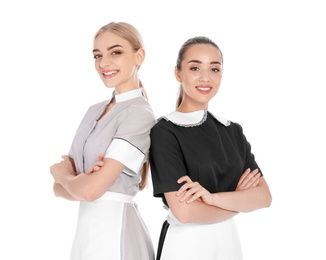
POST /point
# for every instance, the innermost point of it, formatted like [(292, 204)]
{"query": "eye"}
[(97, 56), (116, 52), (215, 69), (194, 68)]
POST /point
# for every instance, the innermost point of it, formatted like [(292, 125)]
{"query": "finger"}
[(188, 195), (244, 175), (64, 157), (99, 163), (90, 170), (185, 187), (190, 192), (185, 178), (254, 180), (101, 157), (195, 196), (248, 179)]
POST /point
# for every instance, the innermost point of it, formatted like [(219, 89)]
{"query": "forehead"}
[(107, 39), (203, 52)]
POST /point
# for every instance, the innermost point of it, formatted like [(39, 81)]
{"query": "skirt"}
[(218, 241), (111, 228)]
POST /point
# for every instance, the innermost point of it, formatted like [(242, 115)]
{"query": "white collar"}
[(192, 118), (128, 95)]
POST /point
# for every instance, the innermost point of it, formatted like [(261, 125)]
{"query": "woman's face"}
[(200, 76), (116, 62)]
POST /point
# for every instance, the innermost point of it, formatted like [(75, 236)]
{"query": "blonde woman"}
[(109, 224)]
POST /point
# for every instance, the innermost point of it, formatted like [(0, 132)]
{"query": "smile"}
[(204, 90), (109, 74)]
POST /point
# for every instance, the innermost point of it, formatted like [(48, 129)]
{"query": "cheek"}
[(217, 79), (190, 77), (97, 66)]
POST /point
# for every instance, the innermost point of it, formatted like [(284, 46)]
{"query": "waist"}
[(114, 196), (172, 220)]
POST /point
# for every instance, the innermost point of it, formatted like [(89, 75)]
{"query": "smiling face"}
[(200, 76), (117, 62)]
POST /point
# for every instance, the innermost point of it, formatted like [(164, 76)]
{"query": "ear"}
[(177, 74), (140, 56)]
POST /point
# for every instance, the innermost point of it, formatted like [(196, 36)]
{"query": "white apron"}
[(218, 241), (104, 231)]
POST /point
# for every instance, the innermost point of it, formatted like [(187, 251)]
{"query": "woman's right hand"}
[(191, 191), (97, 166), (249, 179)]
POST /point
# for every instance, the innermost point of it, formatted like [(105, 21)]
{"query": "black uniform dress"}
[(212, 151)]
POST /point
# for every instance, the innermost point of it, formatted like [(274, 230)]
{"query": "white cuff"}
[(124, 152)]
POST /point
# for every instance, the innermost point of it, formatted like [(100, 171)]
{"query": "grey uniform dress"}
[(111, 226)]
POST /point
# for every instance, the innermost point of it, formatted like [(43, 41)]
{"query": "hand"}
[(191, 191), (65, 167), (97, 166), (249, 179)]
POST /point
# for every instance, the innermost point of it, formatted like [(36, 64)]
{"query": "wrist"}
[(64, 178), (215, 199)]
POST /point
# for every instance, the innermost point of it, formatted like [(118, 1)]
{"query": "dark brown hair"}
[(190, 42)]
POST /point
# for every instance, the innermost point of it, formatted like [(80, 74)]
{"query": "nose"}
[(204, 76), (104, 62)]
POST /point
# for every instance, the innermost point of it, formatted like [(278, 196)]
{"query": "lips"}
[(109, 74), (204, 89)]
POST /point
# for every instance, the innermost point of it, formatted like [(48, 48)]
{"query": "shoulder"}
[(141, 109), (226, 122), (138, 114), (95, 108), (99, 104), (221, 120), (232, 128), (162, 126)]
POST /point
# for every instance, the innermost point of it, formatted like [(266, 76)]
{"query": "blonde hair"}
[(132, 35)]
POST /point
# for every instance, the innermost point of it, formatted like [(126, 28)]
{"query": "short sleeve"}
[(250, 161), (130, 144), (166, 161)]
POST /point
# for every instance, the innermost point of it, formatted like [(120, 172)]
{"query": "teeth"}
[(204, 89), (108, 73)]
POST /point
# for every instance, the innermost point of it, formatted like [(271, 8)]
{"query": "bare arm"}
[(245, 200), (197, 211), (60, 191), (194, 204), (87, 186), (251, 194)]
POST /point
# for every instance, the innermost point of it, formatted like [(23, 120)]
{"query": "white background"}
[(273, 85)]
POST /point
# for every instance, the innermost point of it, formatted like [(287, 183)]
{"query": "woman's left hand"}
[(65, 167), (97, 166), (191, 191)]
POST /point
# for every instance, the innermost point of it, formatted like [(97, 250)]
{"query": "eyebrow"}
[(109, 48), (198, 61)]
